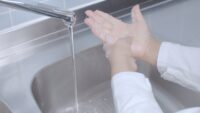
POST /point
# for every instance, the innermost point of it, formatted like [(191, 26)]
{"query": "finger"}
[(106, 16), (103, 33), (90, 22), (94, 28), (99, 17), (105, 24), (94, 16), (137, 15), (89, 13)]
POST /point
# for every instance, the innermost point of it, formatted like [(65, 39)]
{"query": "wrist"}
[(151, 51), (125, 64)]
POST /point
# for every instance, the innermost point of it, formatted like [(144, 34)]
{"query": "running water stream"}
[(72, 45), (100, 99)]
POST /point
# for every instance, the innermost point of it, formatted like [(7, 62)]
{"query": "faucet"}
[(67, 16)]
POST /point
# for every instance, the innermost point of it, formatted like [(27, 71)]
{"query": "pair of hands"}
[(124, 42)]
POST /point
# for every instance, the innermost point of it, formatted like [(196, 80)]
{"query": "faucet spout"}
[(42, 9)]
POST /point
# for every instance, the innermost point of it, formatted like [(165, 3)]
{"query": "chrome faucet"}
[(68, 16)]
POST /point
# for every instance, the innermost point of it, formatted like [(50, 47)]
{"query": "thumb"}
[(136, 14)]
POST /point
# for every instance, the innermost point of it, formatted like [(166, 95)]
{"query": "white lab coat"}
[(132, 91)]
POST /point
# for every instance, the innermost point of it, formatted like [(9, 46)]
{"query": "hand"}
[(110, 29), (120, 56)]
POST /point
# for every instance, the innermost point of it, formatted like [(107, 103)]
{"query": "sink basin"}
[(35, 59), (4, 108), (53, 87)]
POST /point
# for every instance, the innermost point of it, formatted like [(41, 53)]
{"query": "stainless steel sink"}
[(36, 73), (4, 108), (53, 87)]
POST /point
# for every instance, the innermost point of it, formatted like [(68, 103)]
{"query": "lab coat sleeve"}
[(180, 64), (132, 93)]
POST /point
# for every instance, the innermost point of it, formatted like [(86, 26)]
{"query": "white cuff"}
[(131, 80), (166, 59), (132, 93), (164, 52)]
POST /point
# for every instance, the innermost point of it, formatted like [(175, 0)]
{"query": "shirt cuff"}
[(131, 90), (131, 82), (163, 61)]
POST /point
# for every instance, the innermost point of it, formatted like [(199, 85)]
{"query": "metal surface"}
[(53, 86), (42, 9), (41, 28), (4, 108), (36, 72)]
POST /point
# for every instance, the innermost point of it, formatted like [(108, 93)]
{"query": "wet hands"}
[(110, 29), (124, 42)]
